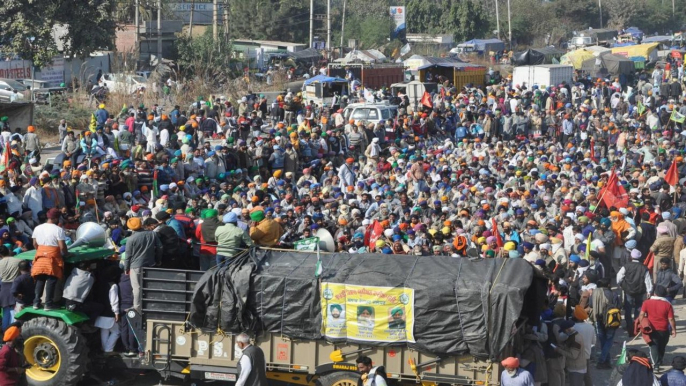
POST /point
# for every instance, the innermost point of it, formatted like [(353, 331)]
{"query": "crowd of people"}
[(583, 180)]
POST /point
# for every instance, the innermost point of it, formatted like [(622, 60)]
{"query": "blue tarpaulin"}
[(324, 79), (486, 44)]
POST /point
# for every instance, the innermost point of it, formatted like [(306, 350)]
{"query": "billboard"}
[(53, 73), (367, 313), (203, 11), (16, 69), (398, 15)]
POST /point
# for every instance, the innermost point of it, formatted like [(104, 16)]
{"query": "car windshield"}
[(15, 85), (138, 79)]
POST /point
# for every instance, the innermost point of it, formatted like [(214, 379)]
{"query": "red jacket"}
[(8, 359), (204, 249)]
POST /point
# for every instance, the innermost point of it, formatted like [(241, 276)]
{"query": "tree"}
[(27, 27), (466, 20), (621, 12), (205, 57)]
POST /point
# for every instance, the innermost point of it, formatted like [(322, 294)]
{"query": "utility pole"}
[(226, 21), (328, 28), (600, 8), (215, 21), (509, 24), (497, 18), (311, 22), (159, 30), (138, 23), (190, 24), (345, 2)]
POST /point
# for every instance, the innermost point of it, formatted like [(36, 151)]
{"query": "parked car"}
[(123, 83), (372, 113), (8, 87)]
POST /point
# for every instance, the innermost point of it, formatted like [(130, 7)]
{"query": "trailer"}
[(301, 347), (542, 75), (373, 76)]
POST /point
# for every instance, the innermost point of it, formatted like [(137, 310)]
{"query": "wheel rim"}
[(345, 382), (44, 357)]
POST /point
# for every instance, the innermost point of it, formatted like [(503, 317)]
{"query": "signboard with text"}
[(15, 69), (202, 11), (367, 313), (398, 16)]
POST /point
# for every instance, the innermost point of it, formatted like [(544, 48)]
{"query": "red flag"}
[(426, 100), (373, 233), (498, 239), (614, 193), (593, 150), (649, 261), (672, 176)]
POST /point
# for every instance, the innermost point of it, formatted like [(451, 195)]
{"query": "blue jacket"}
[(101, 116)]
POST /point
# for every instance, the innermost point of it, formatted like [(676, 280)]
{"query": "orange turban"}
[(11, 334)]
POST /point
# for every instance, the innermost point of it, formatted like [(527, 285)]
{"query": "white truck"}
[(542, 75)]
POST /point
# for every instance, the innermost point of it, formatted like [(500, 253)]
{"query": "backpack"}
[(613, 314)]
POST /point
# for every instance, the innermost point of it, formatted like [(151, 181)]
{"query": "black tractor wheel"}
[(57, 353), (339, 378)]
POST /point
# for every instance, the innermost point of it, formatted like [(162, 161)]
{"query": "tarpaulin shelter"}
[(459, 73), (324, 79), (482, 46), (598, 50), (467, 307), (648, 51), (533, 56), (576, 58), (608, 63)]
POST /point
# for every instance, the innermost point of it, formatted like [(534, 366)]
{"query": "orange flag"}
[(672, 176), (426, 100)]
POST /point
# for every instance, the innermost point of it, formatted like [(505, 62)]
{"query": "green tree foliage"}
[(270, 19), (205, 57), (464, 19), (27, 27)]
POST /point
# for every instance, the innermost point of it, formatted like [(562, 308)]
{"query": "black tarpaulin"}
[(528, 57), (460, 306), (607, 63)]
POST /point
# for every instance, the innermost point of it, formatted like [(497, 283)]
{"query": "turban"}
[(209, 213), (257, 215), (134, 223), (635, 254), (580, 314), (53, 214), (11, 334), (510, 362)]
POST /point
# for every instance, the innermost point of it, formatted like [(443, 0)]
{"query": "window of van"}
[(373, 115), (359, 114)]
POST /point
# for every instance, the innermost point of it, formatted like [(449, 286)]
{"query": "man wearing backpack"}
[(634, 279), (603, 302)]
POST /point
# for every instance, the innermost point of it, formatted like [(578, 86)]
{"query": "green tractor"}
[(54, 344)]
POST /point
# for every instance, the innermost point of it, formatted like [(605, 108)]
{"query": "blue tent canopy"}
[(324, 79), (484, 44)]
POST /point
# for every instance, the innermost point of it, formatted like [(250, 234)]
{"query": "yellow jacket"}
[(266, 233)]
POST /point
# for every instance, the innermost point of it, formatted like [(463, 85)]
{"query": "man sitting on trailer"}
[(371, 376)]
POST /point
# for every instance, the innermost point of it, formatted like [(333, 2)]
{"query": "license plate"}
[(221, 377)]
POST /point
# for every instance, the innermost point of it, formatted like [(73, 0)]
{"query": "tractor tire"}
[(57, 352), (339, 378)]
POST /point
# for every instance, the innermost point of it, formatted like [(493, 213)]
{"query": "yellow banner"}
[(367, 313)]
